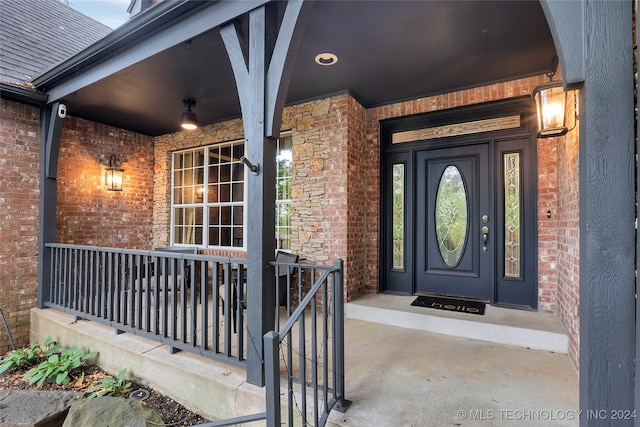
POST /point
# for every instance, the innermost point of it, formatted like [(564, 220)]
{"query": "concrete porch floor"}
[(403, 368), (426, 371)]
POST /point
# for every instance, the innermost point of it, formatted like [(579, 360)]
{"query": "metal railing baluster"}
[(149, 293)]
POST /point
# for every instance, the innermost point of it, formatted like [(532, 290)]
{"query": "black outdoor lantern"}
[(113, 175), (550, 100)]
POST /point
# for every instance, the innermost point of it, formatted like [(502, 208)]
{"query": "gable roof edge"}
[(131, 31)]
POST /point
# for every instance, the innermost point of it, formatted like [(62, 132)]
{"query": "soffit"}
[(387, 51)]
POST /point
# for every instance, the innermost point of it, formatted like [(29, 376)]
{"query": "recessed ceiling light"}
[(326, 58)]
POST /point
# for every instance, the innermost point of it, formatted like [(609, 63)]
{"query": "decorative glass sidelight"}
[(398, 217), (512, 215), (451, 215)]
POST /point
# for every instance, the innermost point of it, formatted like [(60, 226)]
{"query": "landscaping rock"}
[(20, 408), (111, 412)]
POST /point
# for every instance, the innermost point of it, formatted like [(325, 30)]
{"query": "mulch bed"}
[(85, 376)]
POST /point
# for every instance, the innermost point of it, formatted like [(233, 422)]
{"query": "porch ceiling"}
[(387, 51)]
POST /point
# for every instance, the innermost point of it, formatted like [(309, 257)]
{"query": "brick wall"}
[(336, 180), (336, 192), (87, 213), (547, 227), (359, 163), (19, 190), (558, 236), (546, 174), (568, 234)]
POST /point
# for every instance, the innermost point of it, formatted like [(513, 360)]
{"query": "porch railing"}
[(195, 303), (307, 353), (187, 301)]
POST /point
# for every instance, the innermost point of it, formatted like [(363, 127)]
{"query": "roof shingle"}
[(38, 34)]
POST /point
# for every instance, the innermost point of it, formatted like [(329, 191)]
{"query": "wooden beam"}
[(212, 16), (637, 364), (250, 80), (50, 132), (567, 24), (282, 61), (262, 82), (607, 216), (239, 65)]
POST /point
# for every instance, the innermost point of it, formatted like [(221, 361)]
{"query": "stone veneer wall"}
[(327, 191), (19, 201), (87, 213), (328, 204)]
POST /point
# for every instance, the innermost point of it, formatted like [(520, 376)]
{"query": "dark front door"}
[(454, 222), (459, 212)]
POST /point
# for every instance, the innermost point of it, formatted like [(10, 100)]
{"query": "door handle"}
[(485, 237)]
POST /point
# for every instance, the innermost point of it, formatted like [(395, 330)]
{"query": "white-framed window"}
[(208, 196), (284, 158)]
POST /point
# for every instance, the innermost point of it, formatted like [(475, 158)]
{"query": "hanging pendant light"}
[(189, 119)]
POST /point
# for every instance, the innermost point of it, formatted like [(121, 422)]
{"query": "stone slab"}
[(21, 408)]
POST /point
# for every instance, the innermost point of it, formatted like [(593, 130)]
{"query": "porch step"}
[(539, 331)]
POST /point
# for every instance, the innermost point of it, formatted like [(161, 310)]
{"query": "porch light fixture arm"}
[(554, 68), (255, 169)]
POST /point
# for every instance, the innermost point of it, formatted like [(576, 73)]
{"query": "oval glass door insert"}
[(451, 214)]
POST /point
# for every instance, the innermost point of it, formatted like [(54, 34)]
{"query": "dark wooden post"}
[(260, 186), (607, 215), (262, 80), (594, 43), (50, 132)]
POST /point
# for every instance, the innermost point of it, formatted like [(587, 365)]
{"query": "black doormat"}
[(450, 304)]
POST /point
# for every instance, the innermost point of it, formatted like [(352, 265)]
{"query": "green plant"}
[(57, 367), (111, 386), (29, 356)]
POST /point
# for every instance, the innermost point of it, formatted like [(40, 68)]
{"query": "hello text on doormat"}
[(450, 304)]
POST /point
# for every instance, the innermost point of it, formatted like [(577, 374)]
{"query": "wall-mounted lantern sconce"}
[(550, 100), (189, 119), (113, 175)]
